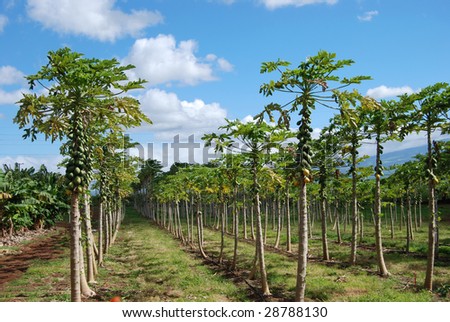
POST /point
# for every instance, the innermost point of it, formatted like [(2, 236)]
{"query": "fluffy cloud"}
[(96, 19), (368, 16), (10, 75), (161, 60), (275, 4), (51, 162), (172, 116), (225, 65), (10, 97), (384, 91), (3, 22)]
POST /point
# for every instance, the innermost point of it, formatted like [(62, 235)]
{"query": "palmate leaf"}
[(75, 83)]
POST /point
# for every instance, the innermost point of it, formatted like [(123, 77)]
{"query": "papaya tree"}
[(327, 159), (255, 139), (381, 126), (150, 170), (79, 93), (351, 133), (313, 82), (408, 175), (428, 111)]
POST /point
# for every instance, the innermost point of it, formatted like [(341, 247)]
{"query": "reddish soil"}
[(40, 248)]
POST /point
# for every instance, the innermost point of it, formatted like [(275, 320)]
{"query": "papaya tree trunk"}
[(180, 227), (338, 223), (354, 208), (432, 218), (244, 215), (84, 287), (392, 221), (100, 233), (408, 216), (200, 229), (75, 235), (266, 221), (236, 229), (382, 270), (186, 207), (323, 211), (259, 236), (302, 243), (278, 212), (288, 220), (106, 227), (252, 222), (260, 247), (91, 265), (222, 231)]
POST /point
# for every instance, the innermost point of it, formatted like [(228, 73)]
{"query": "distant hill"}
[(396, 157)]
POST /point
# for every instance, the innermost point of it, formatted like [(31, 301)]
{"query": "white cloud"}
[(275, 4), (51, 162), (172, 116), (2, 116), (10, 97), (161, 60), (384, 91), (3, 22), (248, 119), (225, 65), (97, 19), (368, 16), (10, 75)]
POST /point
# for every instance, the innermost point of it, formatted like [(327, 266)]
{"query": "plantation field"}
[(147, 264)]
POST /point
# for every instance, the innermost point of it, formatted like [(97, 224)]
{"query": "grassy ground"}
[(337, 281), (332, 281), (38, 270), (145, 264), (148, 264)]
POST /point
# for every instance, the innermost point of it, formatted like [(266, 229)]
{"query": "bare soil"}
[(44, 245)]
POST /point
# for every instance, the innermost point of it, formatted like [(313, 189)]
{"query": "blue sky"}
[(202, 57)]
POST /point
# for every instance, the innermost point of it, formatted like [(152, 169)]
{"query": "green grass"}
[(44, 280), (326, 282), (337, 281), (147, 264)]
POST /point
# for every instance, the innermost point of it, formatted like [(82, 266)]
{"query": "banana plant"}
[(30, 199)]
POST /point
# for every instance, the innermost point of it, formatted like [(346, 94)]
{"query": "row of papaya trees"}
[(267, 164), (83, 103)]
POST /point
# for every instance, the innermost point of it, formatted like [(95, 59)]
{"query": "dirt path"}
[(44, 247)]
